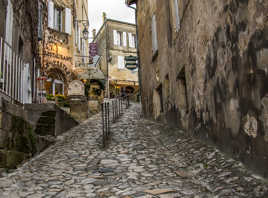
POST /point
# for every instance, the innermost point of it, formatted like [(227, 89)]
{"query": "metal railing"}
[(11, 70), (111, 111)]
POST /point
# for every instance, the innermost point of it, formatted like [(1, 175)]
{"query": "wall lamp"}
[(85, 31)]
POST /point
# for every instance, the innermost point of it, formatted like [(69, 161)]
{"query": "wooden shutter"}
[(154, 35), (50, 14), (124, 39), (68, 21), (177, 15), (115, 37)]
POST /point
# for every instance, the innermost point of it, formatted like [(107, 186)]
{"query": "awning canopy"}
[(92, 73)]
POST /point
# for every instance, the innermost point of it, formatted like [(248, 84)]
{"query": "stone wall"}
[(28, 130), (211, 75)]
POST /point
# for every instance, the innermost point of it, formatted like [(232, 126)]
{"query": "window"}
[(115, 37), (176, 15), (124, 39), (9, 23), (121, 62), (154, 36), (132, 40), (118, 38), (40, 20), (56, 19)]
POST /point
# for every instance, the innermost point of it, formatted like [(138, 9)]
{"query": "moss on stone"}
[(14, 158)]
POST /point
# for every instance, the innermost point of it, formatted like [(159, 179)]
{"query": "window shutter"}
[(40, 20), (79, 39), (124, 39), (154, 35), (68, 21), (51, 14), (9, 23), (76, 33), (121, 62), (115, 38), (177, 15)]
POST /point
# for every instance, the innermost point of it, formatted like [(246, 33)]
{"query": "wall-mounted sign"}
[(93, 50), (131, 62)]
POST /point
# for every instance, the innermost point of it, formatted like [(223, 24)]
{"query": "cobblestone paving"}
[(143, 160)]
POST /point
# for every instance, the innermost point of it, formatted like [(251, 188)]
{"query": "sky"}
[(115, 9)]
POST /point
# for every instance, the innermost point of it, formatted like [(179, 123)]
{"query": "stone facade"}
[(18, 34), (63, 48), (114, 42), (208, 73)]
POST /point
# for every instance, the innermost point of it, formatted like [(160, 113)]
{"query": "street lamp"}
[(85, 33)]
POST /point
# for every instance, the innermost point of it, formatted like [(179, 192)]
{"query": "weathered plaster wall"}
[(211, 74)]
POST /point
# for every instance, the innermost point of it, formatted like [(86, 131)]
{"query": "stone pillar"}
[(78, 101)]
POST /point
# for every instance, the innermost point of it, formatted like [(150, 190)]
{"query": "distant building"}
[(18, 50), (63, 46), (115, 41)]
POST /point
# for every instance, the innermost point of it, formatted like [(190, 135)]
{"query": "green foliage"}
[(50, 97)]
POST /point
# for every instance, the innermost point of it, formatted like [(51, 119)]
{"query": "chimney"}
[(104, 17), (94, 33)]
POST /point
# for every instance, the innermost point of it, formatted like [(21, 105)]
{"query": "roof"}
[(130, 2)]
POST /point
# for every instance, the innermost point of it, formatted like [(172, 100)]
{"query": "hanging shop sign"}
[(131, 62), (93, 50)]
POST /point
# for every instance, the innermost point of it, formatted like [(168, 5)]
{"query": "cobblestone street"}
[(144, 159)]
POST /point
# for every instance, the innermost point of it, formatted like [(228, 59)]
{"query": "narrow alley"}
[(141, 161)]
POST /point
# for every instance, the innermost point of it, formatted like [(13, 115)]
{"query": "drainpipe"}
[(137, 46)]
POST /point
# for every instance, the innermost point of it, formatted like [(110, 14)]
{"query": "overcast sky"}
[(115, 9)]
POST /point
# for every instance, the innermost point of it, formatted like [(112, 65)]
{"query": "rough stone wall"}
[(26, 131), (3, 5), (212, 73)]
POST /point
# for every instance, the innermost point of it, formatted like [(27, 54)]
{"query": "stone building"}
[(18, 50), (63, 46), (117, 40), (204, 68)]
